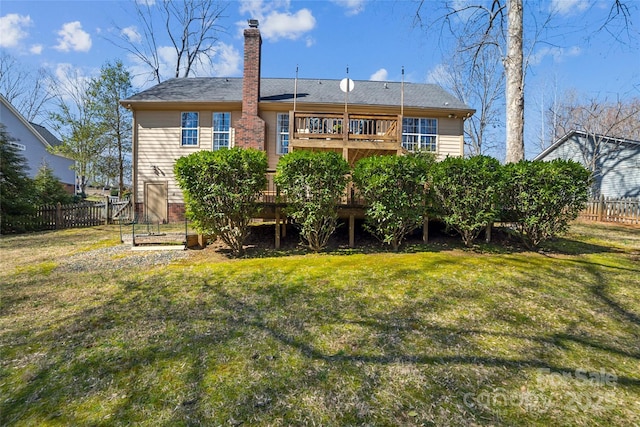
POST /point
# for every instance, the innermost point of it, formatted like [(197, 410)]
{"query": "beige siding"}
[(449, 137), (159, 145)]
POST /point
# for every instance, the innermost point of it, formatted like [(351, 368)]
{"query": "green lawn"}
[(438, 336)]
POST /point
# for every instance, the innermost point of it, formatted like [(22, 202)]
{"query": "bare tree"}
[(191, 26), (514, 71), (79, 125), (25, 89), (619, 119), (505, 18), (477, 80)]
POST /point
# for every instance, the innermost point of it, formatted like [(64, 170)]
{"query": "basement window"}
[(221, 130), (190, 128), (419, 134)]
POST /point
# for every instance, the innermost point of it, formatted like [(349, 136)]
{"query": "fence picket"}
[(625, 211)]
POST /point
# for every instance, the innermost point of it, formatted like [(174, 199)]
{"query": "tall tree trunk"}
[(514, 71)]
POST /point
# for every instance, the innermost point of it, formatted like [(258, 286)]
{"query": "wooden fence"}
[(613, 210), (85, 214)]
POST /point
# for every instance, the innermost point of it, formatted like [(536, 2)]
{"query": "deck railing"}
[(273, 195), (345, 126)]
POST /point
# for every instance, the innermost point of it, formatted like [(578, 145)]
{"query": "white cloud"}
[(227, 61), (36, 49), (73, 37), (223, 60), (558, 54), (353, 7), (12, 29), (69, 82), (132, 34), (259, 8), (287, 26), (380, 75), (568, 7), (276, 21), (309, 41)]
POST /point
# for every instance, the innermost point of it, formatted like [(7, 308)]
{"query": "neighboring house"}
[(33, 141), (278, 115), (613, 162)]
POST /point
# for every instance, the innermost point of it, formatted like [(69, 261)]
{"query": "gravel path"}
[(115, 257)]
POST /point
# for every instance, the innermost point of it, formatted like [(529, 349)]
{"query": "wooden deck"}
[(354, 135)]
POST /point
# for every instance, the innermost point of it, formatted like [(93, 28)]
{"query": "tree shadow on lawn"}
[(260, 243), (234, 347)]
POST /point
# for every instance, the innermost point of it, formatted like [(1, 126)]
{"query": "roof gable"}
[(585, 135), (30, 126)]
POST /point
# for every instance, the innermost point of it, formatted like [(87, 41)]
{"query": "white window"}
[(190, 128), (419, 134), (221, 130), (283, 133), (18, 146)]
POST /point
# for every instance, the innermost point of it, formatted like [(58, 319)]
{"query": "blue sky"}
[(375, 39)]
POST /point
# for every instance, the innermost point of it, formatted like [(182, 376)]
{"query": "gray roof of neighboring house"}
[(48, 136), (582, 134), (321, 91)]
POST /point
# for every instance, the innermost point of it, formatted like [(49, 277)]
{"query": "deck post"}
[(352, 239), (284, 227), (425, 229), (277, 228), (487, 233)]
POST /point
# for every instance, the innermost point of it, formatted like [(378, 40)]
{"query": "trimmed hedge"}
[(467, 192), (313, 183), (221, 189), (539, 199), (397, 191)]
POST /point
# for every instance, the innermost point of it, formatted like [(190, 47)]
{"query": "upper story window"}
[(283, 133), (419, 134), (190, 128), (221, 130), (18, 146)]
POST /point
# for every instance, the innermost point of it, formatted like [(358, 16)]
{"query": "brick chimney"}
[(251, 129)]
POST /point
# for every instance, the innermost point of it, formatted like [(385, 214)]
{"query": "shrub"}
[(313, 183), (467, 192), (541, 198), (397, 193), (220, 189), (49, 189)]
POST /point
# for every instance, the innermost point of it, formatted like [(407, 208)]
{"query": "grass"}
[(438, 335)]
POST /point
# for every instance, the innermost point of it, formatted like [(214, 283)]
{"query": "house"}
[(34, 141), (277, 115), (614, 162)]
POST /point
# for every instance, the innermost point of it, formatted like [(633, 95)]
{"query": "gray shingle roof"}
[(322, 91), (48, 136)]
